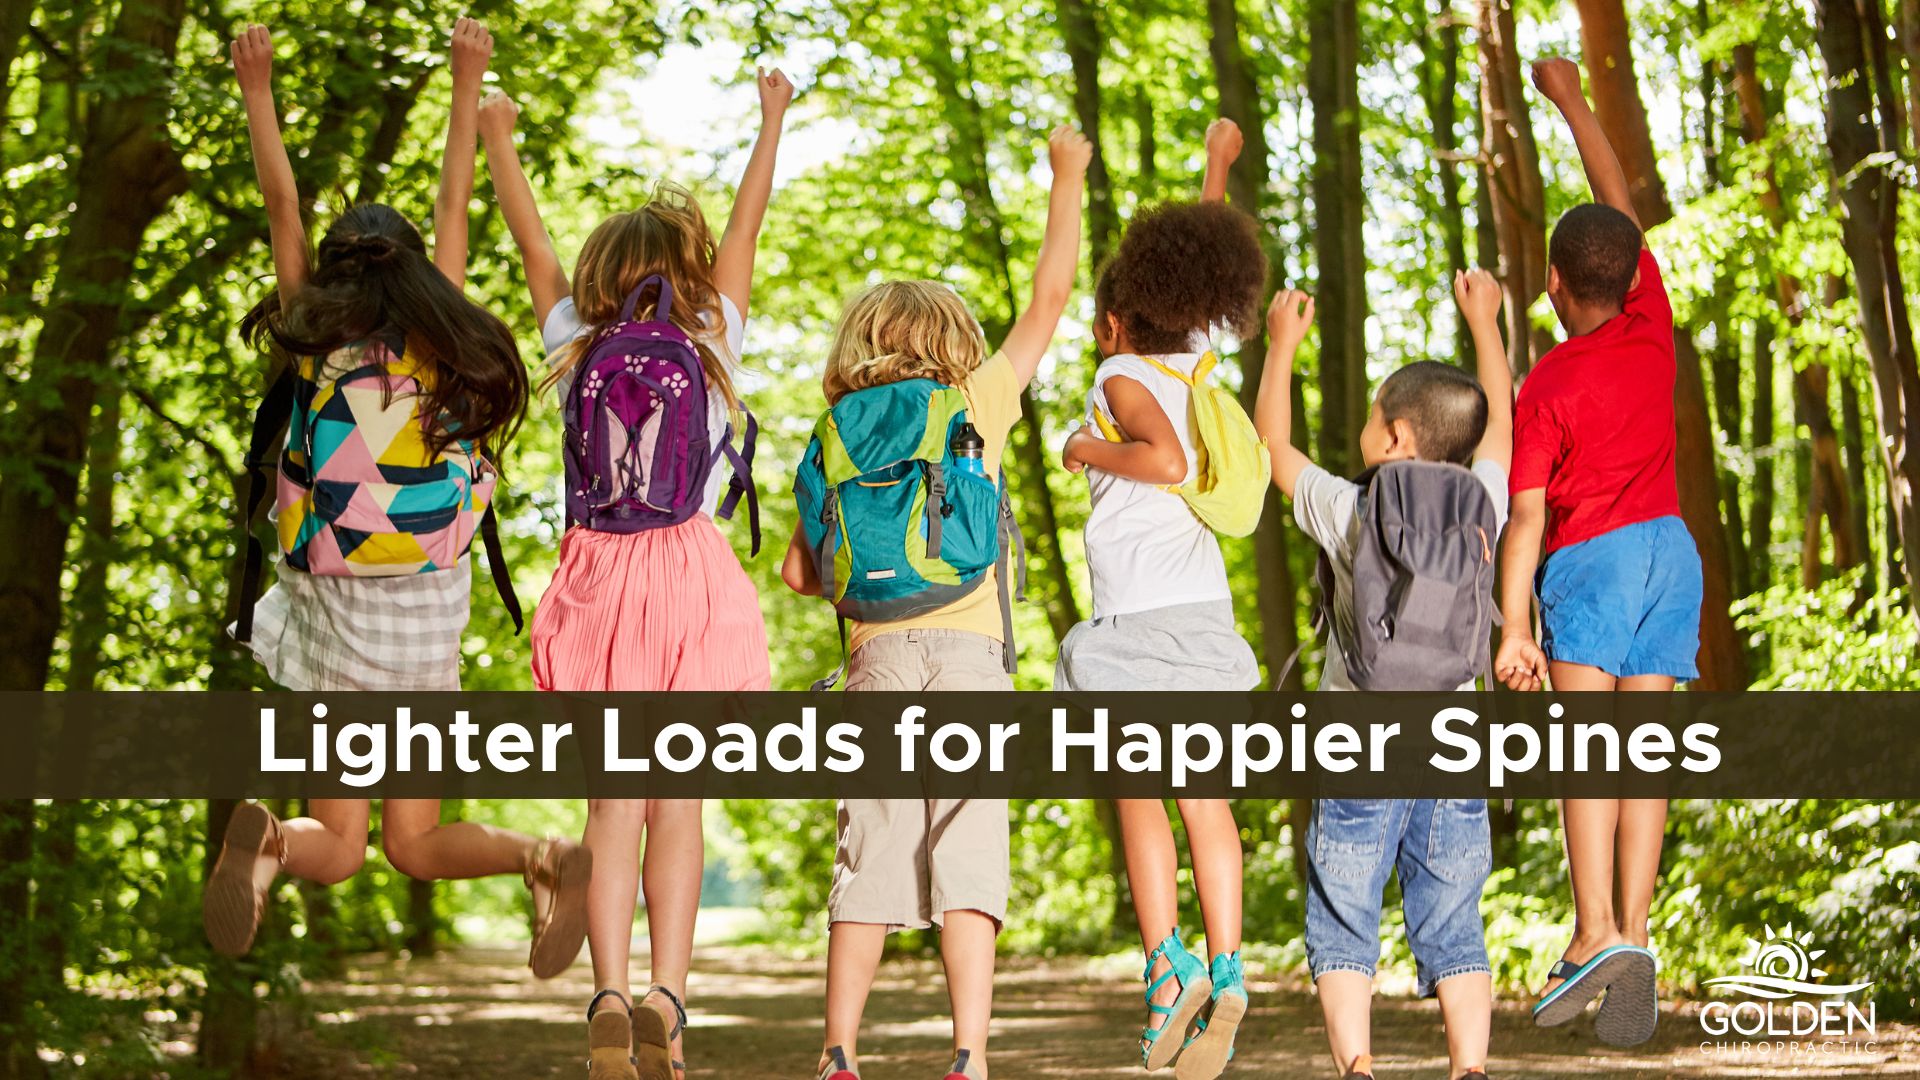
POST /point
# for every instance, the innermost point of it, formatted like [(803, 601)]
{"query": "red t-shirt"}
[(1594, 421)]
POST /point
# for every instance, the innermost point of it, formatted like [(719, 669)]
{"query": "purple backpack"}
[(638, 447)]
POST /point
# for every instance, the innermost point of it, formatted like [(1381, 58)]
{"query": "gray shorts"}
[(1183, 647)]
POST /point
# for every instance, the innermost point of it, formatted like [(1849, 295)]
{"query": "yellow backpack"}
[(1229, 486)]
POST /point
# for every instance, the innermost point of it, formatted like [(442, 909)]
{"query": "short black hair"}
[(1596, 249), (1181, 268), (1445, 407)]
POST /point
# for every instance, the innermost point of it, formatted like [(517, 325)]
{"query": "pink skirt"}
[(664, 609)]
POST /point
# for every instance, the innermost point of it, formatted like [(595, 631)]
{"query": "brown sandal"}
[(562, 869), (609, 1040), (232, 904), (653, 1039)]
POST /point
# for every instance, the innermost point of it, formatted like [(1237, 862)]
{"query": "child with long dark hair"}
[(378, 497)]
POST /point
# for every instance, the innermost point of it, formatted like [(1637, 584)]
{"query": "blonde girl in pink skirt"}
[(666, 608)]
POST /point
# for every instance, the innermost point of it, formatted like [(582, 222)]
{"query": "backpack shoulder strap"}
[(497, 566), (742, 481), (1175, 372), (1010, 538), (269, 421)]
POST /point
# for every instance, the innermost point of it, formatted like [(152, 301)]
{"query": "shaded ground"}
[(755, 1013)]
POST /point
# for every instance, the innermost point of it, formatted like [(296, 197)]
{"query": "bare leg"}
[(967, 948), (1642, 831), (1153, 867), (613, 834), (419, 846), (326, 848), (1346, 999), (1466, 1007), (1590, 826), (1213, 841), (675, 856), (853, 959)]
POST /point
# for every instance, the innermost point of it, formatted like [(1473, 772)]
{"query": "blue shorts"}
[(1443, 851), (1626, 601)]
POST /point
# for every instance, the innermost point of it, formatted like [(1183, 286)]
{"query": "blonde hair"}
[(903, 330), (668, 236)]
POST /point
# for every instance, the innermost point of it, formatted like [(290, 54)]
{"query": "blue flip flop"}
[(1582, 984)]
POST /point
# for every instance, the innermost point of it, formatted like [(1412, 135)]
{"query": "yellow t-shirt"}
[(993, 407)]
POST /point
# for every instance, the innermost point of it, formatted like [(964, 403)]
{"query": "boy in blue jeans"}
[(1440, 847), (1620, 590)]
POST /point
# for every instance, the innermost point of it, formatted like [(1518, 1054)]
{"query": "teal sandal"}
[(1206, 1054), (1195, 988)]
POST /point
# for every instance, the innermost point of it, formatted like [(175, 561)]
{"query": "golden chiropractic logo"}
[(1776, 1019)]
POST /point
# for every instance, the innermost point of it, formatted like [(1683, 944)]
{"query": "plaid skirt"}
[(315, 632)]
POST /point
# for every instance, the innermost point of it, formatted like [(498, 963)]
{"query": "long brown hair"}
[(668, 236), (372, 277)]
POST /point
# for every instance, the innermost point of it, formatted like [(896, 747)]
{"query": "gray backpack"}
[(1422, 579)]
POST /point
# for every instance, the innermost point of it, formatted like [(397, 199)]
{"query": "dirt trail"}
[(477, 1013)]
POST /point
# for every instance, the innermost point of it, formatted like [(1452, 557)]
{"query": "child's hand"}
[(472, 49), (1224, 141), (1070, 453), (1289, 317), (776, 91), (1479, 295), (1520, 663), (498, 112), (1069, 151), (1557, 78), (253, 61)]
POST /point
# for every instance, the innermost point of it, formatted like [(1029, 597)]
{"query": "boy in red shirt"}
[(1593, 484)]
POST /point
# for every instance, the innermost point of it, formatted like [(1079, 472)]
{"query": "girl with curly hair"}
[(1162, 607)]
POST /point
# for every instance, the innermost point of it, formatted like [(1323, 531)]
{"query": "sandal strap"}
[(1171, 941), (1562, 969), (679, 1010), (594, 1005)]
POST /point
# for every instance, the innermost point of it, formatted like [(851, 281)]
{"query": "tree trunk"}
[(126, 175), (986, 228), (1853, 440), (1515, 199), (1607, 48), (1148, 180), (1827, 494), (1080, 27), (1849, 39), (1724, 362), (1248, 186), (89, 611), (1441, 72), (15, 15), (1760, 443), (18, 1057), (1339, 216)]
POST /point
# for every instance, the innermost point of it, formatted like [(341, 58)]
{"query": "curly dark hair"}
[(1597, 251), (1182, 268)]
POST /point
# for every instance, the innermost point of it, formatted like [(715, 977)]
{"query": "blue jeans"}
[(1443, 851), (1626, 601)]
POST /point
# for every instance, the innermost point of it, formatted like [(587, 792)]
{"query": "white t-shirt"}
[(1328, 510), (1145, 547), (563, 326)]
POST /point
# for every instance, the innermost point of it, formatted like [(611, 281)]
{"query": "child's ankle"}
[(836, 1058)]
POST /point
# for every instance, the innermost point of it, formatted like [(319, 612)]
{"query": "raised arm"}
[(1150, 450), (1223, 149), (546, 278), (253, 68), (1558, 80), (472, 48), (1288, 319), (733, 263), (1479, 296), (1053, 275)]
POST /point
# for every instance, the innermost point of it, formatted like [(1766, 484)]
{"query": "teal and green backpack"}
[(899, 519)]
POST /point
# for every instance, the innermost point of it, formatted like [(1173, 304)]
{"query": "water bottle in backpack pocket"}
[(639, 446), (897, 510)]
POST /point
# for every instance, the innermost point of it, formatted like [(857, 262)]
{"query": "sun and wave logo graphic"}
[(1782, 967)]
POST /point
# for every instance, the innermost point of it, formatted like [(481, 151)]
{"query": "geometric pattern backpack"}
[(359, 493), (638, 447)]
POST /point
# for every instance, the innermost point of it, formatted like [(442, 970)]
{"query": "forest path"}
[(477, 1012)]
